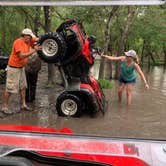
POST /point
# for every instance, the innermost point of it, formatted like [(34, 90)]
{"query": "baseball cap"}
[(131, 53), (28, 31)]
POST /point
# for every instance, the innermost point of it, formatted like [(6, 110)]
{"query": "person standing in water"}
[(128, 69), (16, 79)]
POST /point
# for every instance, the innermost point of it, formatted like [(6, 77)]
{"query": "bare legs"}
[(7, 95), (22, 94), (5, 100), (129, 88), (120, 91)]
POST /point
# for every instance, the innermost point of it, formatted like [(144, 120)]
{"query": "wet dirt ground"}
[(145, 118)]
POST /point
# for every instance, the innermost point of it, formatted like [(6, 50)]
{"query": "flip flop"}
[(26, 108), (2, 115), (7, 111)]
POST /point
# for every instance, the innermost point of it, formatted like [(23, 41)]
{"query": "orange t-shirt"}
[(19, 45)]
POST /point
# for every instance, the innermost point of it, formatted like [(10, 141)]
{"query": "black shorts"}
[(133, 81)]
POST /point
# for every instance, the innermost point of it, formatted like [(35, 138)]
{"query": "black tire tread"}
[(61, 47), (62, 97)]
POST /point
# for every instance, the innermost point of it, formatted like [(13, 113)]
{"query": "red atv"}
[(73, 51)]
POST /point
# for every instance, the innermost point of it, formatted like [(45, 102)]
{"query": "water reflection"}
[(46, 114), (158, 80), (95, 68), (163, 85), (155, 76), (145, 118)]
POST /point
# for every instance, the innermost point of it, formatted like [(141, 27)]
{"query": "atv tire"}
[(69, 105), (53, 47)]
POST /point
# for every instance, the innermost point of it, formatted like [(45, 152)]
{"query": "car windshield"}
[(39, 147)]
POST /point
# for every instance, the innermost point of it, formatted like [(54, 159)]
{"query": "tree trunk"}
[(164, 49), (142, 53), (51, 67), (151, 55), (3, 29), (149, 63), (37, 20), (107, 41), (125, 32)]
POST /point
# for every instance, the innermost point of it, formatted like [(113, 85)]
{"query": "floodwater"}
[(145, 118)]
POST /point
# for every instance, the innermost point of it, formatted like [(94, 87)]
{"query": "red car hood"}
[(63, 143)]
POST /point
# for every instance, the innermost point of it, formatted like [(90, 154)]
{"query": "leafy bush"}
[(157, 63), (106, 84)]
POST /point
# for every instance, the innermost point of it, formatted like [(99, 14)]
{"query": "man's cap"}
[(131, 53), (28, 31)]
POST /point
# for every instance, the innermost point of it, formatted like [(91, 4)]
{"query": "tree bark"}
[(125, 32), (142, 53), (37, 20), (107, 40), (152, 58), (149, 63), (3, 29), (164, 49)]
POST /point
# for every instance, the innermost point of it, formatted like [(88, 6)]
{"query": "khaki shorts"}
[(15, 79)]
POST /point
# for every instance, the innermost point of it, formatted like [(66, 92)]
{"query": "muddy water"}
[(145, 118)]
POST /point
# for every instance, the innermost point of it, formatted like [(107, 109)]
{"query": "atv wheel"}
[(53, 47), (69, 105)]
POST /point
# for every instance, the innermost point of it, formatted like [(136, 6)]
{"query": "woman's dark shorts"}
[(121, 80)]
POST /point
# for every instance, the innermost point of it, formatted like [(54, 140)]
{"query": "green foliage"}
[(12, 21), (149, 24), (157, 63), (105, 84)]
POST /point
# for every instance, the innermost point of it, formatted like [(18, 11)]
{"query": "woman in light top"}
[(128, 69)]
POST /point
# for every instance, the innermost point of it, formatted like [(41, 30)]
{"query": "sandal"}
[(7, 111), (2, 115), (26, 108)]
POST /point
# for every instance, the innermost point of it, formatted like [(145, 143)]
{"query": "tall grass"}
[(106, 84)]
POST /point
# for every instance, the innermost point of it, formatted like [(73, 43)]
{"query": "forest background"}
[(117, 28)]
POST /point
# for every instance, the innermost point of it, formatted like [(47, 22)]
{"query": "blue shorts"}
[(121, 80)]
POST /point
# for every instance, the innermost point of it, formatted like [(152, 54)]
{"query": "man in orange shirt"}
[(16, 79)]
